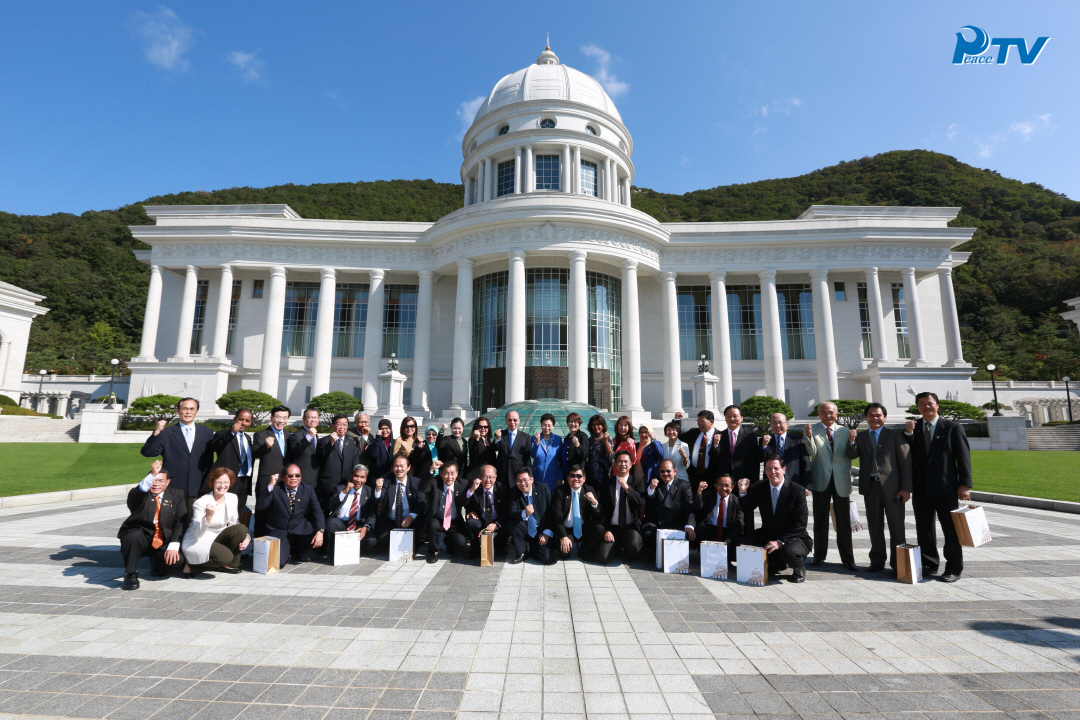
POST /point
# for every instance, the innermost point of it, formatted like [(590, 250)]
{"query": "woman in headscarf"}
[(427, 463)]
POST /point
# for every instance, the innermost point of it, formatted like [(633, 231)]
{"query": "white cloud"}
[(603, 74), (248, 63), (758, 131), (784, 106), (684, 161), (466, 112), (1027, 128), (165, 38), (952, 131), (1024, 128)]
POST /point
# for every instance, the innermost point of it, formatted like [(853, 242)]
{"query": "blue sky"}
[(110, 103)]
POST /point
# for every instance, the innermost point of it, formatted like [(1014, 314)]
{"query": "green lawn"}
[(45, 467), (1054, 475)]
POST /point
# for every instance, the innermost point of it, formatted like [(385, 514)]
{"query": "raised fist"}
[(155, 468), (575, 441), (591, 498), (159, 427), (765, 440), (270, 441), (807, 430), (852, 434), (210, 510), (909, 426), (716, 439), (654, 483)]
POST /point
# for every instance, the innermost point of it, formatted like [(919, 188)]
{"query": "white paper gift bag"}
[(346, 548), (401, 546), (971, 526), (266, 555), (853, 517), (753, 568), (909, 564), (661, 536), (676, 556), (714, 559)]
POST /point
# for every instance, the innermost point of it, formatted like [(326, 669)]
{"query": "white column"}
[(878, 327), (672, 357), (575, 185), (480, 182), (221, 317), (324, 333), (825, 349), (461, 387), (606, 193), (631, 340), (530, 167), (468, 190), (148, 344), (721, 337), (517, 175), (914, 319), (774, 349), (422, 350), (275, 315), (515, 329), (187, 314), (568, 178), (952, 320), (489, 180), (577, 317), (373, 337), (626, 191)]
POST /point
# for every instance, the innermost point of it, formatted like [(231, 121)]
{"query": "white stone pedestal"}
[(391, 393), (200, 378), (705, 392), (99, 424), (1007, 433)]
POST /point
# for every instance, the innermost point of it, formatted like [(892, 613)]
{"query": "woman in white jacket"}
[(215, 537), (676, 450)]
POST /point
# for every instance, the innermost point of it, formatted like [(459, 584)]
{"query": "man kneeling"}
[(352, 509), (154, 527), (292, 515), (783, 519), (526, 520)]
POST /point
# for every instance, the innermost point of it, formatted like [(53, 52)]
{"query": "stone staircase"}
[(24, 428), (1062, 437)]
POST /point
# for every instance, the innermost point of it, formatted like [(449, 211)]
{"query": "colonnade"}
[(482, 185)]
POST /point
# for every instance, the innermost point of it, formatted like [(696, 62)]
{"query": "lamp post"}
[(112, 379), (703, 366), (1068, 398), (41, 379), (993, 383), (393, 364)]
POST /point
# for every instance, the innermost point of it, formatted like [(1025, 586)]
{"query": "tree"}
[(990, 406), (259, 403), (155, 407), (952, 410), (335, 403), (849, 413), (757, 409)]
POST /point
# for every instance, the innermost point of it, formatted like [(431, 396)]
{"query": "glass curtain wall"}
[(796, 322), (695, 321), (744, 321), (399, 320), (605, 330), (234, 313), (864, 322), (545, 317), (350, 319), (301, 311), (489, 329), (903, 349)]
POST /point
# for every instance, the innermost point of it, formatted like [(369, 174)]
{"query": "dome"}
[(548, 80)]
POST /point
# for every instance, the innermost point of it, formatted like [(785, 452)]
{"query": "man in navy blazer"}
[(526, 520), (401, 503), (301, 445), (791, 449), (783, 520), (513, 451), (337, 456), (292, 514), (184, 449), (234, 451)]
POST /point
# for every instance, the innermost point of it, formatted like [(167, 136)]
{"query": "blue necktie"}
[(575, 512), (280, 442), (532, 518), (780, 446), (245, 463), (775, 497)]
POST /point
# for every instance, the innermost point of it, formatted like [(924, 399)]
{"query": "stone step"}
[(21, 428)]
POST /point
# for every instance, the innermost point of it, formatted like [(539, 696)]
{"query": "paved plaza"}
[(414, 640)]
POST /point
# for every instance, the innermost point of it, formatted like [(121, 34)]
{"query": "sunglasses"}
[(576, 475), (294, 475), (410, 426)]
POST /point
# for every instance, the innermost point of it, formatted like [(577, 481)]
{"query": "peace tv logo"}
[(974, 51)]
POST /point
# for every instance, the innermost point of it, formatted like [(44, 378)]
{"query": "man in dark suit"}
[(791, 449), (234, 451), (940, 478), (703, 465), (445, 521), (485, 509), (361, 434), (337, 455), (513, 450), (352, 509), (737, 450), (783, 519), (268, 447), (401, 502), (184, 449), (718, 516), (669, 505), (575, 517), (619, 503), (292, 515), (301, 448), (154, 526), (526, 520), (884, 483)]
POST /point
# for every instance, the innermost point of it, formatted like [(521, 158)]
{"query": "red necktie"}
[(701, 455), (354, 511), (829, 431), (720, 519)]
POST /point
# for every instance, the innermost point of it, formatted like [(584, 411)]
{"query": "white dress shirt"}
[(697, 446)]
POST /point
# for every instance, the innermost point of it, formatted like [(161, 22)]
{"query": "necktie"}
[(775, 497), (720, 519), (399, 510), (280, 442), (828, 431), (448, 501), (245, 466), (159, 536), (532, 518), (620, 518), (927, 435), (292, 501), (701, 455), (341, 447), (488, 510), (873, 453), (354, 510), (733, 436), (575, 512), (780, 446), (188, 438)]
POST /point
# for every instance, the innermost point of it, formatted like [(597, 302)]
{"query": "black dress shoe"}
[(231, 570), (799, 575), (851, 566), (433, 556), (518, 559), (131, 581), (875, 568), (817, 561), (949, 577), (929, 571)]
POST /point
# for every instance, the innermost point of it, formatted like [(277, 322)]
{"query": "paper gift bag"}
[(661, 536), (487, 550), (266, 556), (676, 556), (853, 516), (714, 559), (346, 548), (971, 525), (753, 567), (401, 546), (909, 564)]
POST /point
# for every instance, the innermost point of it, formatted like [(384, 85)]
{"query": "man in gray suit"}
[(884, 483), (831, 470)]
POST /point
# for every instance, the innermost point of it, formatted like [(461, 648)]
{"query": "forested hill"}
[(1025, 261)]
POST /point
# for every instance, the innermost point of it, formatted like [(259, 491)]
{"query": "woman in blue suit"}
[(545, 453)]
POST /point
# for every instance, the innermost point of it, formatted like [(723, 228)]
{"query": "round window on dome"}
[(547, 123), (591, 129), (504, 129), (472, 146)]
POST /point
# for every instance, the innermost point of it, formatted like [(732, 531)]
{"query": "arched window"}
[(547, 123), (504, 129)]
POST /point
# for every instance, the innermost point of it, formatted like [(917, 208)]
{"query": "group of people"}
[(544, 496)]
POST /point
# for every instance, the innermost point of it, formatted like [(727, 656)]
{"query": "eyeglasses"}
[(575, 475), (483, 427), (293, 475)]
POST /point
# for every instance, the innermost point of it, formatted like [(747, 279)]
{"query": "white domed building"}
[(548, 284)]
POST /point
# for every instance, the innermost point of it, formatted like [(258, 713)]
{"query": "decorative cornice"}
[(703, 259), (546, 235), (289, 253)]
